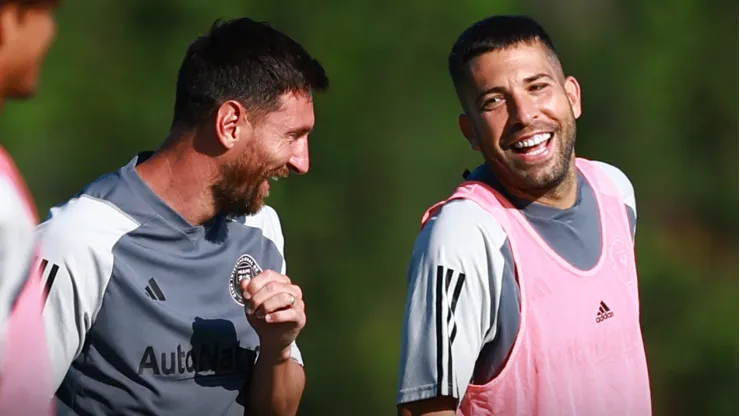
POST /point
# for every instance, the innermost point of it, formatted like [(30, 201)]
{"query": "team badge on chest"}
[(244, 269), (620, 257)]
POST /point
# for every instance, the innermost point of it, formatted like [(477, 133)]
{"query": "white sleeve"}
[(454, 286), (16, 249), (76, 246), (624, 186), (273, 230)]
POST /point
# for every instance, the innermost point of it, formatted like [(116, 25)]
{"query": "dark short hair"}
[(494, 33), (242, 60)]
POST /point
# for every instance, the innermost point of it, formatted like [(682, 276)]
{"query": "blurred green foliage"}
[(658, 82)]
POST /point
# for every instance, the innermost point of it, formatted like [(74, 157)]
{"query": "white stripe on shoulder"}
[(89, 214), (268, 221), (622, 182)]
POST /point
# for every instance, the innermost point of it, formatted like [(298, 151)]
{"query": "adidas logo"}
[(604, 313), (153, 291)]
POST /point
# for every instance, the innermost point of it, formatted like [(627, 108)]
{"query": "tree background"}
[(658, 82)]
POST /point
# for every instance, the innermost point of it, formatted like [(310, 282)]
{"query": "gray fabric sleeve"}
[(454, 284), (76, 245)]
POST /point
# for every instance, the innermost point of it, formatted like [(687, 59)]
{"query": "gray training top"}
[(464, 245), (143, 314)]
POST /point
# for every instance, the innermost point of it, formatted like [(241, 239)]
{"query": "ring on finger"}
[(292, 300)]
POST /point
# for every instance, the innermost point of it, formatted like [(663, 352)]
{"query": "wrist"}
[(274, 355)]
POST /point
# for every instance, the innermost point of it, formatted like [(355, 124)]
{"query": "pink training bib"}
[(579, 350), (25, 378)]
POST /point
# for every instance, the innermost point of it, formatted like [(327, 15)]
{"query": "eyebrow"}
[(527, 80), (534, 78), (301, 131)]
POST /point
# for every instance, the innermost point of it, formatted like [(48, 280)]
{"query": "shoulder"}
[(14, 209), (462, 229), (77, 243), (620, 179), (85, 222), (102, 212), (267, 221), (13, 190), (9, 170), (461, 219)]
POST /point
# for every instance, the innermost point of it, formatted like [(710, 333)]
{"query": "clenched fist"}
[(276, 311)]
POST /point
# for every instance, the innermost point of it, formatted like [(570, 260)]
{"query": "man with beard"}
[(522, 295), (167, 292)]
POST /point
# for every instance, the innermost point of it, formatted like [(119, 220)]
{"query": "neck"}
[(562, 196), (182, 178)]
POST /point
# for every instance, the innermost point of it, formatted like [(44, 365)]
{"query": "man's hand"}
[(276, 311)]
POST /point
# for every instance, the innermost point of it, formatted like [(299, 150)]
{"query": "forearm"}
[(276, 386), (438, 406)]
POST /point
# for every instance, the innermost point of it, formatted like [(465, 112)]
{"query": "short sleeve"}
[(454, 283), (77, 263), (626, 190)]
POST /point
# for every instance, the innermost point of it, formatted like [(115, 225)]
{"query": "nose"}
[(522, 109), (299, 162)]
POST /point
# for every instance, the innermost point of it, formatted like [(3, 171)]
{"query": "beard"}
[(239, 190), (548, 176)]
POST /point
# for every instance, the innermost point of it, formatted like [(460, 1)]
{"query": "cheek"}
[(50, 34), (557, 107), (275, 154), (41, 29), (490, 128), (38, 37)]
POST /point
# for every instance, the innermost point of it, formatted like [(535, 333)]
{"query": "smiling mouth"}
[(534, 145)]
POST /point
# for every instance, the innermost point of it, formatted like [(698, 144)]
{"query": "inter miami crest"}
[(244, 269)]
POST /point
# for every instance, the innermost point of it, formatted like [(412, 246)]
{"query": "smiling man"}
[(167, 292), (523, 292)]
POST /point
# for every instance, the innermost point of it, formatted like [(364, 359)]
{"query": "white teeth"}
[(275, 178), (533, 141), (537, 152)]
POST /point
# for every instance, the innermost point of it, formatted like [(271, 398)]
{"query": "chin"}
[(546, 178), (532, 177)]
